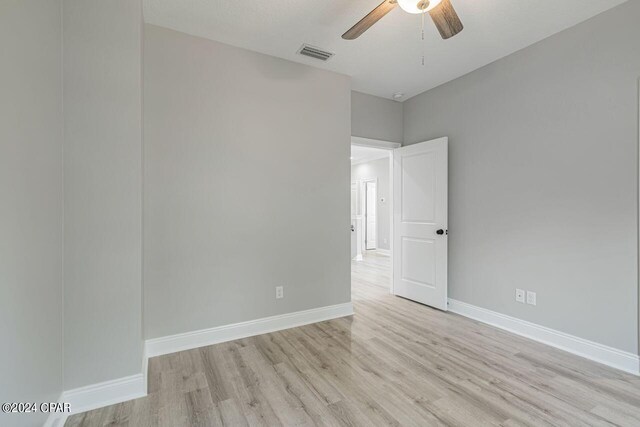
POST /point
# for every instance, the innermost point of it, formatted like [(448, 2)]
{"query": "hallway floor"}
[(395, 362)]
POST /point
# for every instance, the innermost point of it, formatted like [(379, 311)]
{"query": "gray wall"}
[(543, 178), (378, 169), (376, 118), (31, 205), (102, 190), (246, 184)]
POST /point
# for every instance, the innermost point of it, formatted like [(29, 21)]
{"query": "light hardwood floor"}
[(394, 363)]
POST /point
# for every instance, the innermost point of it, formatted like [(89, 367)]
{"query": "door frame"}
[(363, 193), (389, 146)]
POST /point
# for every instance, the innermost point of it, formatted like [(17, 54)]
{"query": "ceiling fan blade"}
[(374, 16), (446, 19)]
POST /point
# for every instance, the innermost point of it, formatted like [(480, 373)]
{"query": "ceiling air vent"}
[(314, 52)]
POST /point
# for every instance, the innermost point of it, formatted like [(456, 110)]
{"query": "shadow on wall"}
[(278, 69)]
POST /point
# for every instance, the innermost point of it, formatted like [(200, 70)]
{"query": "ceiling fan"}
[(441, 12)]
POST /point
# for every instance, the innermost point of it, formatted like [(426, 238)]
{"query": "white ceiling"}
[(361, 154), (387, 58)]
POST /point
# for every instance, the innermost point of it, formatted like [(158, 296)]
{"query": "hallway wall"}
[(378, 169)]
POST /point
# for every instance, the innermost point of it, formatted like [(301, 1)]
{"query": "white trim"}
[(145, 369), (359, 257), (361, 162), (106, 393), (386, 252), (186, 341), (391, 220), (56, 419), (606, 355), (99, 395), (374, 143)]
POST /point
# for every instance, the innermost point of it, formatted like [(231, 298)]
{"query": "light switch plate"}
[(520, 295)]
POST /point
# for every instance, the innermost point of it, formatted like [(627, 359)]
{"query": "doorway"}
[(399, 201), (371, 209)]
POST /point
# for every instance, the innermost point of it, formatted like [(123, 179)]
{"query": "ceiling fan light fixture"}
[(441, 12), (418, 6)]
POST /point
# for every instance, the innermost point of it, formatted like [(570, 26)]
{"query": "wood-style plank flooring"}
[(394, 363)]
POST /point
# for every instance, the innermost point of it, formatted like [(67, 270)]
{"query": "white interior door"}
[(420, 222), (371, 192)]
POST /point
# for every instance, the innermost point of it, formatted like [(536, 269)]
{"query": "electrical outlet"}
[(531, 298), (520, 295), (279, 292)]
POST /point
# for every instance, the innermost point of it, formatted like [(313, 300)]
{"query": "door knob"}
[(440, 232)]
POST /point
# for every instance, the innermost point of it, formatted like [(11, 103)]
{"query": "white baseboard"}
[(606, 355), (56, 419), (145, 369), (186, 341), (386, 252), (96, 396), (358, 257), (104, 394)]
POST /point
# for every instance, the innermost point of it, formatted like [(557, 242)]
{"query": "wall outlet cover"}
[(279, 292), (531, 298)]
